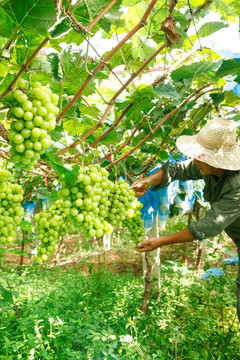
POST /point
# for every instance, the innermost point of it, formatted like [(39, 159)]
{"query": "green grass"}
[(61, 315)]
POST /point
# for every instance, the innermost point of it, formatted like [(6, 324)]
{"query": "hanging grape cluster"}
[(34, 113), (121, 198), (134, 223), (51, 225), (11, 212), (93, 205), (4, 176), (87, 202)]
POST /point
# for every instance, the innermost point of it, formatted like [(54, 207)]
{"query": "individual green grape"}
[(18, 112)]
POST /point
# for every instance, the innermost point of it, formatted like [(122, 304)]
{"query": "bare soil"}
[(70, 255)]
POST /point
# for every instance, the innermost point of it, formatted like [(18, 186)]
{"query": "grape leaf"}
[(6, 25), (111, 138), (53, 197), (211, 27), (167, 91), (228, 67), (61, 29), (34, 15)]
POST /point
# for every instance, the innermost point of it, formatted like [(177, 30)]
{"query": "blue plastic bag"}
[(225, 42), (166, 195), (213, 272), (184, 205), (149, 210), (187, 187), (29, 207), (163, 218), (231, 261), (150, 201)]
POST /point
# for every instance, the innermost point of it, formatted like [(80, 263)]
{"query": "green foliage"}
[(196, 70), (167, 91), (6, 25), (95, 80), (33, 15), (210, 28), (229, 67), (101, 319)]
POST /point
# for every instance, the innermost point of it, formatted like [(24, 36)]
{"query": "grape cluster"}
[(93, 205), (51, 224), (134, 223), (4, 176), (121, 198), (34, 113), (87, 202), (11, 212)]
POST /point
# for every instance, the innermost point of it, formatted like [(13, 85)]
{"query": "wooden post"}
[(155, 256), (148, 282), (24, 234), (106, 242)]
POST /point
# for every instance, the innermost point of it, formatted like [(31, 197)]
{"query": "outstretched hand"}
[(148, 245), (140, 187)]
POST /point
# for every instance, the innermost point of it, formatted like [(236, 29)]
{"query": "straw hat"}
[(215, 144)]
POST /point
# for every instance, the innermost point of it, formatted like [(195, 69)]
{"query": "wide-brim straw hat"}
[(215, 144)]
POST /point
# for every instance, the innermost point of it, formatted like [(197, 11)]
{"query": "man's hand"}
[(140, 187), (149, 245)]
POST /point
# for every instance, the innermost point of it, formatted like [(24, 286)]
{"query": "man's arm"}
[(177, 238), (183, 171)]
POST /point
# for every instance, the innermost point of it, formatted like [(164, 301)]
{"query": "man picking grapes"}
[(215, 158)]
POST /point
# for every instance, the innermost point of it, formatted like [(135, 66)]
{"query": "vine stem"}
[(118, 93), (24, 67), (97, 18), (94, 128), (133, 76), (113, 126), (110, 54), (208, 2), (148, 282), (7, 45), (131, 136), (161, 148), (157, 126), (69, 4), (29, 194)]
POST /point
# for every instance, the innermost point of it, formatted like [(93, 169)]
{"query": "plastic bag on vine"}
[(157, 200), (184, 205), (167, 195), (163, 218), (150, 202), (187, 187)]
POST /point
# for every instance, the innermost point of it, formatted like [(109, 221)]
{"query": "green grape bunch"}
[(93, 205), (51, 225), (33, 113), (11, 211), (121, 198), (134, 223), (87, 202), (4, 176)]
